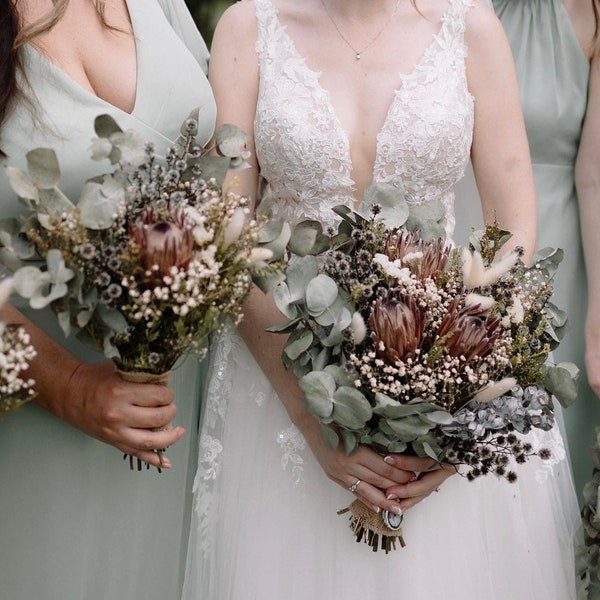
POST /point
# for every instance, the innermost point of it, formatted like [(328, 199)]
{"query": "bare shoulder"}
[(239, 20), (483, 30)]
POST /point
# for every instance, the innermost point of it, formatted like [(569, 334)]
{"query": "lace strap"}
[(268, 28), (454, 20)]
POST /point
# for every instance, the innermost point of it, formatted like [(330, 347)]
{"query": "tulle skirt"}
[(264, 525)]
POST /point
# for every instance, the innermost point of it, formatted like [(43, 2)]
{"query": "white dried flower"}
[(495, 389), (358, 329)]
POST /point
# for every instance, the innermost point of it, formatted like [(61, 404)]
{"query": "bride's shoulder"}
[(482, 27)]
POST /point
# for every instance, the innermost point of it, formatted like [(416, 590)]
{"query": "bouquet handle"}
[(156, 379), (375, 529)]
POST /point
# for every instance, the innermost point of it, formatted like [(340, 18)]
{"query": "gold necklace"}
[(358, 53)]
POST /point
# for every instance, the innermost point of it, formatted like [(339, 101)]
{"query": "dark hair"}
[(9, 56)]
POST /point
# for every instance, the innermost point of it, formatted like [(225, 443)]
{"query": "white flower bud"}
[(485, 302)]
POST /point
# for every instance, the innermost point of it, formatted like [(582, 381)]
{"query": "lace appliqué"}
[(553, 441), (292, 444), (211, 448), (423, 147)]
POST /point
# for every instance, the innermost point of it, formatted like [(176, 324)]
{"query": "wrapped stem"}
[(155, 379)]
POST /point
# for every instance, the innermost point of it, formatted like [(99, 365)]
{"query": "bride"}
[(338, 94)]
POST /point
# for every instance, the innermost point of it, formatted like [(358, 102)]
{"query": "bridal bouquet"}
[(153, 256), (16, 352), (408, 345)]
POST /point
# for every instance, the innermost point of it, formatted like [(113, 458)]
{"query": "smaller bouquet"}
[(151, 259), (408, 345), (16, 352)]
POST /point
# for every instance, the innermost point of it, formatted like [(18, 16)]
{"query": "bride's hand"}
[(367, 472), (431, 476), (122, 414)]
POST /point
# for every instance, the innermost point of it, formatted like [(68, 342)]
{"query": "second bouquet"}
[(153, 256)]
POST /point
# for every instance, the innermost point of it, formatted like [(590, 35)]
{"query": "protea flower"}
[(469, 331), (163, 244), (426, 259), (397, 327)]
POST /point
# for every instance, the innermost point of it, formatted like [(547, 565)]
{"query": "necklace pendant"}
[(358, 56)]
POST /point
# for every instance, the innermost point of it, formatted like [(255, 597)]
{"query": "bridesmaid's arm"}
[(234, 77), (587, 181), (95, 400), (500, 151)]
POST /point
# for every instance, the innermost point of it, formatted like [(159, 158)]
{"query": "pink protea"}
[(426, 259), (469, 331), (397, 326), (163, 244)]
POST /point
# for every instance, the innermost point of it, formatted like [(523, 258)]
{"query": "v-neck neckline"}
[(397, 92), (72, 82)]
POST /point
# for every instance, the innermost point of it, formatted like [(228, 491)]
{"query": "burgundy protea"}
[(469, 331), (434, 254), (397, 325), (163, 244)]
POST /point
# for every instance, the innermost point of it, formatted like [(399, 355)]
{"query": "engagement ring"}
[(353, 487)]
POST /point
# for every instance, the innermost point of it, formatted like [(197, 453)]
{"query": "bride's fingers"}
[(373, 497), (409, 494)]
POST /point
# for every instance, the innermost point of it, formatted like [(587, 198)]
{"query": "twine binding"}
[(368, 526)]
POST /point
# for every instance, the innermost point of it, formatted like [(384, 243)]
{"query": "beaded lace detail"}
[(423, 147)]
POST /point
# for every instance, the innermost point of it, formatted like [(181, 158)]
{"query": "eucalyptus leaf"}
[(321, 293), (22, 184), (409, 428), (394, 208), (42, 164), (351, 441), (298, 343), (330, 436), (131, 146), (437, 417), (562, 383), (308, 238), (230, 141), (319, 388), (105, 126), (99, 203), (212, 167), (53, 204), (548, 259), (351, 409), (64, 321)]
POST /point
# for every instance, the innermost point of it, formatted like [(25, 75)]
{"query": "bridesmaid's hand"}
[(431, 476), (122, 414), (592, 357)]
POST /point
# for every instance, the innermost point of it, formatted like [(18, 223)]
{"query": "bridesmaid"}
[(76, 523), (555, 44)]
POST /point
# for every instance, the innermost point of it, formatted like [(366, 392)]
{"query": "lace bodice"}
[(303, 150)]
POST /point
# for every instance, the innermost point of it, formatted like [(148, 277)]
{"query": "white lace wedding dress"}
[(264, 523)]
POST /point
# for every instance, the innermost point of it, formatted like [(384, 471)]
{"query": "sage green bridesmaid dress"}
[(75, 522), (553, 75)]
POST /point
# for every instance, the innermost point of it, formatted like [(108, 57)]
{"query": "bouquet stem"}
[(369, 526), (155, 379)]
